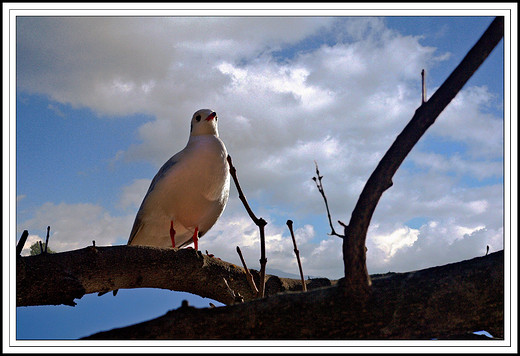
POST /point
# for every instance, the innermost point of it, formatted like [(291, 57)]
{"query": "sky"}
[(103, 102)]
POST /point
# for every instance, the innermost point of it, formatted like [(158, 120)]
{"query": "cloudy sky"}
[(102, 102)]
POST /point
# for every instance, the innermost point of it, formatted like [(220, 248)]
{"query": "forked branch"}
[(260, 222), (319, 185), (357, 281)]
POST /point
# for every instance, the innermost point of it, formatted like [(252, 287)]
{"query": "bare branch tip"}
[(47, 238), (21, 242)]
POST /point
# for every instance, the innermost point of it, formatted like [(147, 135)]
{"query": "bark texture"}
[(447, 302), (53, 279)]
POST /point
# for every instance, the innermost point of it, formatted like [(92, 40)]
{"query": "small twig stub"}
[(21, 242), (47, 238), (249, 276), (423, 79), (297, 253)]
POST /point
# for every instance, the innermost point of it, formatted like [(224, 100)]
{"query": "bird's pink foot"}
[(172, 234), (196, 239), (212, 255)]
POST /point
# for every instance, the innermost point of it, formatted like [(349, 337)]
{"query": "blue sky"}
[(102, 102)]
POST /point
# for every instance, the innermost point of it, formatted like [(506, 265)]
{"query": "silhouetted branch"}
[(47, 238), (319, 185), (21, 242), (446, 302), (423, 80), (259, 222), (249, 276), (297, 253), (357, 280)]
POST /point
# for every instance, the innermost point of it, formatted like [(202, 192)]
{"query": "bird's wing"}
[(138, 223), (164, 170), (186, 243)]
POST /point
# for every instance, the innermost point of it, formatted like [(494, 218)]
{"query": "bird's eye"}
[(197, 118)]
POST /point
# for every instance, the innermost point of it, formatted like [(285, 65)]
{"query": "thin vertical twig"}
[(47, 238), (237, 298), (249, 276), (297, 253), (423, 77), (258, 222), (319, 184)]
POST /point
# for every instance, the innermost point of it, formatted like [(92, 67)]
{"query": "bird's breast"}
[(198, 183)]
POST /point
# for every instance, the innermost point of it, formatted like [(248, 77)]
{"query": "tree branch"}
[(354, 256), (249, 276), (447, 302), (297, 253), (319, 185), (53, 279), (21, 242), (258, 222), (441, 302)]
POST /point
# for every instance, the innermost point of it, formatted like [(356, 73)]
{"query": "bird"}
[(189, 192)]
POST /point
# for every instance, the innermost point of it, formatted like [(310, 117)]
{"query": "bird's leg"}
[(196, 239), (172, 234)]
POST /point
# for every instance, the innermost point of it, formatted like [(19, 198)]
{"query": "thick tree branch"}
[(447, 302), (354, 255), (62, 277)]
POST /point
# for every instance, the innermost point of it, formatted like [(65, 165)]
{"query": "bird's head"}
[(204, 122)]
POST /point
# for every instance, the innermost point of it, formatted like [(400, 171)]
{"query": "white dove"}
[(190, 191)]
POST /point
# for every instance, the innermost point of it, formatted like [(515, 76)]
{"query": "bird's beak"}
[(211, 116)]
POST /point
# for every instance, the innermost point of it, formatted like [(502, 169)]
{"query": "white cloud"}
[(462, 231), (282, 80), (340, 103), (133, 194), (458, 164), (118, 65), (467, 119), (437, 243), (75, 226), (235, 228), (31, 240), (393, 241)]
